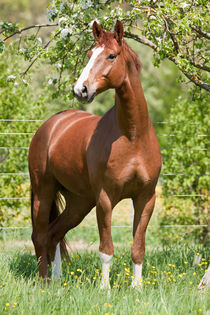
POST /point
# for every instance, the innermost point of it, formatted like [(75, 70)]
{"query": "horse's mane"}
[(134, 55)]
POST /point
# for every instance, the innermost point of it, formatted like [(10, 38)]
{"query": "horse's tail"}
[(54, 213), (57, 204), (32, 205)]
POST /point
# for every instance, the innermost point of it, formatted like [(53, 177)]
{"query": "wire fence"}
[(26, 174)]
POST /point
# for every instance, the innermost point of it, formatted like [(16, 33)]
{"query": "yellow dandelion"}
[(79, 270), (197, 254), (76, 277), (199, 310), (7, 304), (185, 262), (173, 266), (72, 272), (42, 291), (146, 303), (190, 282), (194, 273), (65, 284)]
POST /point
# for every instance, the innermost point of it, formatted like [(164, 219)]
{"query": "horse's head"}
[(106, 66)]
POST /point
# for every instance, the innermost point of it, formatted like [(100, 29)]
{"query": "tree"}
[(186, 165), (18, 102), (174, 29)]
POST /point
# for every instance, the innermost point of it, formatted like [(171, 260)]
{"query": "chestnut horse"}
[(96, 161)]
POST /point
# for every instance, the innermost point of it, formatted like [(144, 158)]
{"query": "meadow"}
[(169, 284)]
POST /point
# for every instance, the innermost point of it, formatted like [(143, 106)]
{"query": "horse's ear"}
[(97, 31), (118, 32)]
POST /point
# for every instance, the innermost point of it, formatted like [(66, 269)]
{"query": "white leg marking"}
[(56, 264), (137, 276), (85, 73), (105, 261)]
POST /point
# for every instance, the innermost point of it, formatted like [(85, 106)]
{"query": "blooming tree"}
[(174, 29)]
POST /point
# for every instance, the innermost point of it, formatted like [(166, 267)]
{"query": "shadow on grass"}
[(86, 265), (24, 265)]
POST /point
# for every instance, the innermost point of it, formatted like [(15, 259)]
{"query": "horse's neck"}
[(132, 112)]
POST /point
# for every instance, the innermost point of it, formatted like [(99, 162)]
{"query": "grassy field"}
[(169, 279)]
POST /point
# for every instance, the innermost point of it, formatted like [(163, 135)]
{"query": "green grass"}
[(169, 283)]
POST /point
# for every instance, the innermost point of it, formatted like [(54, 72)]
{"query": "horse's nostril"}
[(84, 89)]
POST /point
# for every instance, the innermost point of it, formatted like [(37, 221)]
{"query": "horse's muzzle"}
[(82, 94)]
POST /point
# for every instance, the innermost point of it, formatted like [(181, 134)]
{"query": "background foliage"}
[(52, 49)]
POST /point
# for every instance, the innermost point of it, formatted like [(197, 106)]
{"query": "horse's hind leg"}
[(41, 208), (143, 206), (77, 207)]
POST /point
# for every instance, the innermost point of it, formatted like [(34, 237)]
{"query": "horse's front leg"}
[(106, 248), (143, 208)]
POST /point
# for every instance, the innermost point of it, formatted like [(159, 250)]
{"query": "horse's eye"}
[(111, 56)]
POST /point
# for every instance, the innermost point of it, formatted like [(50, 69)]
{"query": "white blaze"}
[(85, 73)]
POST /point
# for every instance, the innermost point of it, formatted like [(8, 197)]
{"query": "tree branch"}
[(35, 59), (19, 31), (201, 32), (191, 77)]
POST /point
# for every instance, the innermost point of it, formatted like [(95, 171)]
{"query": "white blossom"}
[(11, 77), (62, 6), (65, 32), (87, 4), (183, 5), (51, 13), (52, 81), (39, 40), (63, 19)]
